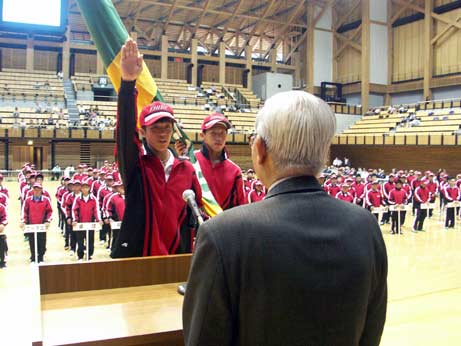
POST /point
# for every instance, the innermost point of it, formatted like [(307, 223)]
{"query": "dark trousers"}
[(395, 221), (104, 232), (70, 238), (115, 233), (420, 217), (431, 210), (41, 246), (450, 217), (3, 248), (81, 236), (61, 217), (403, 215)]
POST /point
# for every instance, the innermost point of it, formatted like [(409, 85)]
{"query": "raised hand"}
[(131, 61)]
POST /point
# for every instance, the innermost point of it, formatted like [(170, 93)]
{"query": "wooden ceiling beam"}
[(226, 26)]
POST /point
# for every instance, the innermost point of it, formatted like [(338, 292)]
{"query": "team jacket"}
[(451, 193), (333, 190), (398, 196), (80, 177), (373, 199), (359, 190), (36, 212), (155, 213), (422, 195), (3, 215), (4, 190), (102, 193), (95, 186), (67, 205), (59, 192), (116, 207), (3, 199), (248, 185), (224, 179), (433, 187), (104, 205), (387, 188), (254, 196), (346, 197), (85, 210), (408, 190), (415, 183)]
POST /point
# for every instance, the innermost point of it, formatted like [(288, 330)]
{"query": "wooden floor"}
[(424, 282)]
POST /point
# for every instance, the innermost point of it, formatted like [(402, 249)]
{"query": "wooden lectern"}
[(119, 302)]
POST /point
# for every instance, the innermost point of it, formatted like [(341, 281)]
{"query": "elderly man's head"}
[(293, 135)]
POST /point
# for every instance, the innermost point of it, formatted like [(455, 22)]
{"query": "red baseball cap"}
[(117, 183), (109, 177), (213, 119), (154, 112), (37, 185)]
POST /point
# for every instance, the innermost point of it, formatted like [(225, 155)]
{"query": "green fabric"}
[(105, 26)]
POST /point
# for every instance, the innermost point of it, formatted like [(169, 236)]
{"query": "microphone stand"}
[(182, 287)]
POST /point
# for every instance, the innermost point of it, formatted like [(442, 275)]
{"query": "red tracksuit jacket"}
[(422, 195), (67, 206), (359, 190), (85, 210), (373, 199), (116, 207), (3, 215), (253, 196), (36, 212), (398, 196), (451, 193), (4, 190), (224, 179), (104, 205), (388, 187), (346, 197), (333, 190)]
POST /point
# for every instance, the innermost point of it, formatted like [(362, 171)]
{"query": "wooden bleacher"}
[(253, 100), (30, 117), (30, 85)]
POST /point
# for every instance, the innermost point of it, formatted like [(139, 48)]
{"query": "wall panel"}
[(408, 52), (14, 58), (45, 60), (447, 50), (85, 63)]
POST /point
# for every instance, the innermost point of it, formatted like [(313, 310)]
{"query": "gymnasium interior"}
[(389, 69)]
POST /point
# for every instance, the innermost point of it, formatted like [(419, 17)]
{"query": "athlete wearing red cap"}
[(224, 177), (37, 210), (157, 221)]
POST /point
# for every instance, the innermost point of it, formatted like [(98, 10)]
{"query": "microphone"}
[(189, 197)]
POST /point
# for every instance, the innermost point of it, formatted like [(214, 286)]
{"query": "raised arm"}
[(126, 135)]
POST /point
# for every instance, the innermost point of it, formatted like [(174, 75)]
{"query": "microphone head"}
[(188, 194)]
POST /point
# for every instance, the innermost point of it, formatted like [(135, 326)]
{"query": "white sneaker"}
[(71, 253), (80, 260), (101, 242)]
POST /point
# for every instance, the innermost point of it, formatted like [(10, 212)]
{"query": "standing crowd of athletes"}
[(88, 196), (370, 189)]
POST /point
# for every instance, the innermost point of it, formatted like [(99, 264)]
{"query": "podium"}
[(119, 302)]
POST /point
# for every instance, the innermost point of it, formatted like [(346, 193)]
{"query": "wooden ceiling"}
[(262, 24)]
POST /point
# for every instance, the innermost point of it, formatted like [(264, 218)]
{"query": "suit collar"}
[(303, 183)]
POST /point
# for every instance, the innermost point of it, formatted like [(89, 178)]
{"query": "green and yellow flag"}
[(109, 35)]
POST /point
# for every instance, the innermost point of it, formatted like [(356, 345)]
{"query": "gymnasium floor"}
[(424, 281)]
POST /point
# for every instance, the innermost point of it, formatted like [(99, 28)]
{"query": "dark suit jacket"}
[(298, 268)]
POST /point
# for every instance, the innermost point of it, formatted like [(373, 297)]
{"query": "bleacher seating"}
[(434, 121), (253, 101), (30, 118), (22, 85)]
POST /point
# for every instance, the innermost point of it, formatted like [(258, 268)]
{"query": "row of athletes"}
[(78, 201), (399, 189)]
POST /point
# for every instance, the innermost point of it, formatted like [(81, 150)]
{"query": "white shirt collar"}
[(168, 165)]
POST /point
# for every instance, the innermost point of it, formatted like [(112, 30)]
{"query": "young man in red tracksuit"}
[(258, 193), (157, 221), (97, 183), (387, 188), (359, 188), (85, 208), (115, 208), (224, 177), (105, 216), (59, 192), (333, 187), (452, 194), (80, 175), (414, 183), (345, 194), (433, 186), (249, 181), (421, 195), (104, 190), (374, 198), (75, 187), (37, 210), (397, 196), (3, 243)]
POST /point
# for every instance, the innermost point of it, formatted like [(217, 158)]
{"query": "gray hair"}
[(297, 128)]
